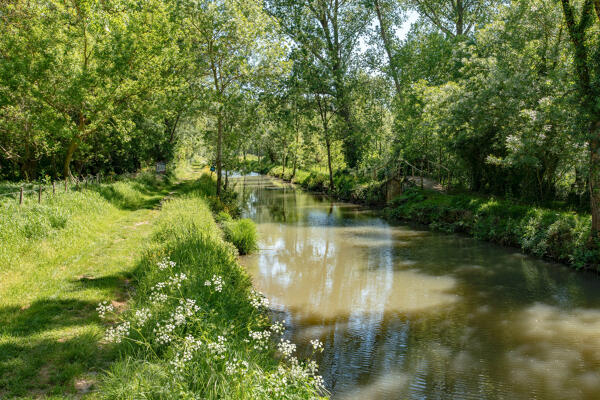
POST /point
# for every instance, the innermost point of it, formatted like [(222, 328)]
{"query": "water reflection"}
[(406, 313)]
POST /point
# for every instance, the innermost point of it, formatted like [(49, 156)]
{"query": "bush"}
[(242, 234)]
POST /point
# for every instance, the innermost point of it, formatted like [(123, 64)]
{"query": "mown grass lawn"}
[(50, 334)]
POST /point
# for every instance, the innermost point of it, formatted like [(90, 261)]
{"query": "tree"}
[(583, 31), (454, 17), (237, 44), (330, 32), (88, 66)]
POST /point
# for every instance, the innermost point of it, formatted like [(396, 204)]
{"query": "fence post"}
[(40, 194), (53, 188), (21, 196)]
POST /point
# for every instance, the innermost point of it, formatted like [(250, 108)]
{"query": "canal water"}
[(405, 313)]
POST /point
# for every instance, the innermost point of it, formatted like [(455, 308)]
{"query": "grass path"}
[(49, 329)]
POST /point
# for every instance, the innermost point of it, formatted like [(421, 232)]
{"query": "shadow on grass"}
[(44, 315), (32, 364), (143, 196), (42, 366)]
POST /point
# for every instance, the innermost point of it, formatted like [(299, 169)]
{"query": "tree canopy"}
[(503, 95)]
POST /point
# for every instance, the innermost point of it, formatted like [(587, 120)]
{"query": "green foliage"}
[(242, 234), (559, 236)]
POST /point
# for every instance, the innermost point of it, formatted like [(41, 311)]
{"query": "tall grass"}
[(242, 233), (196, 328), (58, 259), (21, 226)]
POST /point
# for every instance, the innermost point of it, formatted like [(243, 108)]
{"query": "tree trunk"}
[(219, 151), (594, 180), (283, 163), (328, 143), (387, 45), (460, 13), (69, 157)]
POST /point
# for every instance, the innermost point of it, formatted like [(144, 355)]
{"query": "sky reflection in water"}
[(406, 313)]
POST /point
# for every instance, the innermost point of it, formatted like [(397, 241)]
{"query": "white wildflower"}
[(258, 300), (103, 308), (286, 347), (179, 361), (216, 282), (278, 327), (218, 348), (164, 332), (175, 280), (317, 344), (142, 315), (158, 298), (261, 339), (236, 367), (166, 264), (117, 333), (185, 309)]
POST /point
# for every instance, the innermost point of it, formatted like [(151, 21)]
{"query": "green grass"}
[(102, 244), (187, 235), (58, 260)]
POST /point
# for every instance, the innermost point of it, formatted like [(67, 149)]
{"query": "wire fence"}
[(20, 192)]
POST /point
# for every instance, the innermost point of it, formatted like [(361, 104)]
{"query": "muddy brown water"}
[(405, 313)]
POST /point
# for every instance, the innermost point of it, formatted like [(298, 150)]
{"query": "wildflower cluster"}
[(164, 330), (317, 344), (157, 296), (218, 348), (216, 282), (278, 327), (236, 367), (141, 316), (286, 347), (166, 264), (190, 346), (103, 308), (117, 333), (261, 339), (258, 300)]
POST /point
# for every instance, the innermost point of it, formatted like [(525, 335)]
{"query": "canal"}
[(405, 313)]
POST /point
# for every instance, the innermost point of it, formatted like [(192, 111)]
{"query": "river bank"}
[(195, 327), (137, 278), (554, 235)]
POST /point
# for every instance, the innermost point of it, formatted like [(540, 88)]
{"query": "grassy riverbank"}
[(195, 327), (204, 334), (58, 259), (347, 187), (552, 234)]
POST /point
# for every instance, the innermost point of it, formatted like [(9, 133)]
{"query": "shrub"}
[(242, 234)]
